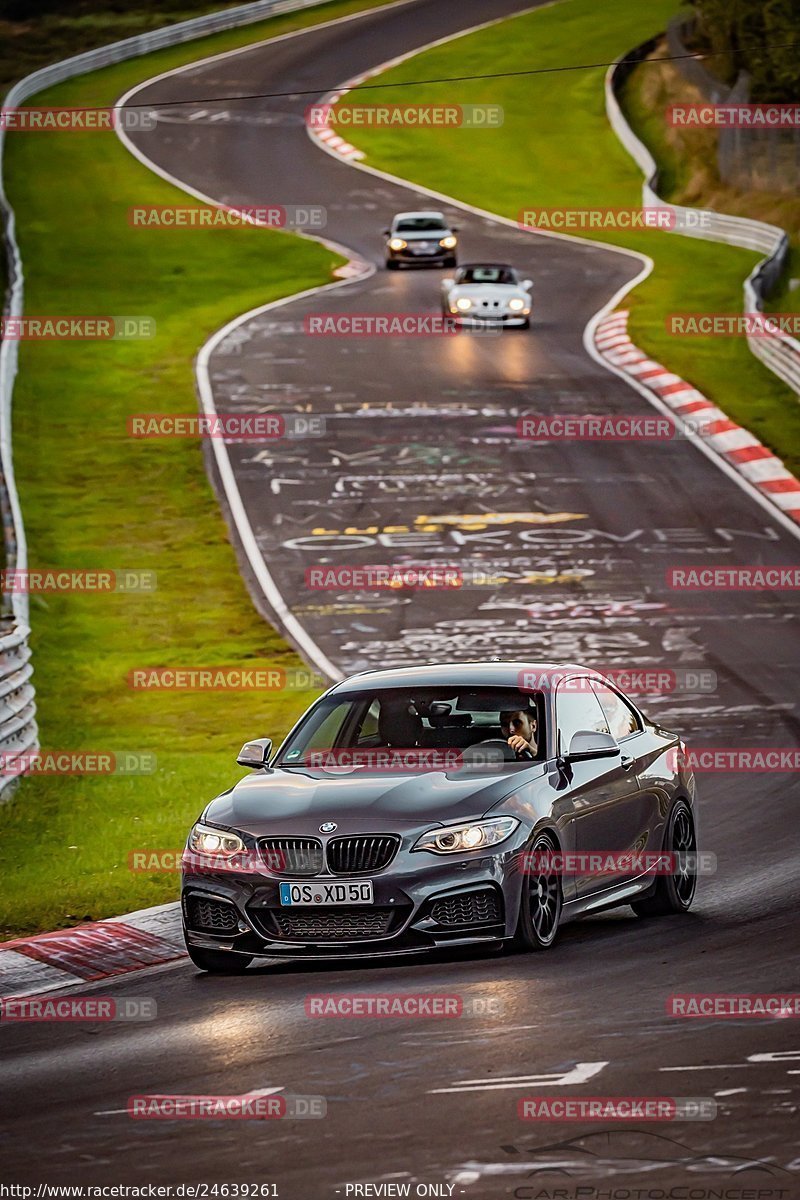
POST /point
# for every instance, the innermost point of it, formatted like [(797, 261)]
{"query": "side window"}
[(622, 720), (577, 707), (369, 726)]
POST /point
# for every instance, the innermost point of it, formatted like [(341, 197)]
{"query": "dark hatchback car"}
[(418, 808)]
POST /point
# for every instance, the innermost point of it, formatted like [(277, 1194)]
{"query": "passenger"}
[(519, 728)]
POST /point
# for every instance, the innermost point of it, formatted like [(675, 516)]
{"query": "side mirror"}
[(386, 232), (448, 283), (255, 754), (588, 744), (527, 284), (454, 228)]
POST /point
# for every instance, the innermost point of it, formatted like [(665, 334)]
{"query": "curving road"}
[(421, 463)]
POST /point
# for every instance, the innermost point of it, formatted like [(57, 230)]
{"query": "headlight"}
[(516, 305), (463, 302), (397, 244), (475, 836), (448, 242), (205, 840)]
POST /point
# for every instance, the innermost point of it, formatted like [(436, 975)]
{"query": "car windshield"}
[(486, 274), (420, 225), (440, 719)]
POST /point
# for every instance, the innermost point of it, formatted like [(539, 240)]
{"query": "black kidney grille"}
[(362, 854), (471, 908), (292, 856), (216, 916), (340, 925)]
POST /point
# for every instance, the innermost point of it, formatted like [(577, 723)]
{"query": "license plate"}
[(327, 893)]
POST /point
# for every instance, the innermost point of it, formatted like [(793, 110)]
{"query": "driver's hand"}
[(518, 744)]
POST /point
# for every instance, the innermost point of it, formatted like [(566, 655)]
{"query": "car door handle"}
[(626, 762)]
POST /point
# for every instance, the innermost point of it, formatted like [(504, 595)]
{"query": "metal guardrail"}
[(18, 729), (779, 352)]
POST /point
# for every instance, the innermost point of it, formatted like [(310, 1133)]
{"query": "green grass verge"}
[(556, 149), (61, 30), (93, 498)]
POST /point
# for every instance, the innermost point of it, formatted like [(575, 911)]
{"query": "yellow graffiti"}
[(432, 524)]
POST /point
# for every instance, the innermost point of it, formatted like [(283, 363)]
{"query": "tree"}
[(761, 37)]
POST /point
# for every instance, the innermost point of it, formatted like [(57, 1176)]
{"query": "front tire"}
[(392, 264), (674, 893), (540, 908), (218, 962)]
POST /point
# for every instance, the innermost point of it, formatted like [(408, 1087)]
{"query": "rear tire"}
[(673, 893), (218, 962), (540, 908)]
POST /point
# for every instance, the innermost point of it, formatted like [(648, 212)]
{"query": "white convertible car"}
[(488, 293)]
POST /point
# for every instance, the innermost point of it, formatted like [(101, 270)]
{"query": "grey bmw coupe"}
[(442, 805)]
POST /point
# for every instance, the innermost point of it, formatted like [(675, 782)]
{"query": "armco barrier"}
[(780, 353), (18, 731)]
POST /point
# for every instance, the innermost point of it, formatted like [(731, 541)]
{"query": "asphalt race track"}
[(421, 458)]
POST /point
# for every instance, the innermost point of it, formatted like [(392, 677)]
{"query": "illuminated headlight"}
[(516, 305), (449, 242), (476, 836), (397, 244), (205, 840), (463, 303)]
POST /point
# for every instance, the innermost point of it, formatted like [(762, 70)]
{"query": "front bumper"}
[(493, 320), (418, 905), (436, 256)]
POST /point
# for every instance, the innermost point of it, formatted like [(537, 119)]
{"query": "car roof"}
[(495, 266), (458, 674), (422, 212)]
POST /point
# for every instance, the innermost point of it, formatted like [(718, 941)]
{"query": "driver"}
[(519, 728)]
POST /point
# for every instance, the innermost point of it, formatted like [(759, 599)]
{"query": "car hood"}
[(296, 802)]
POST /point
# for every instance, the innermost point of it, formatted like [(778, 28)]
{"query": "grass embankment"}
[(94, 498), (557, 150)]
